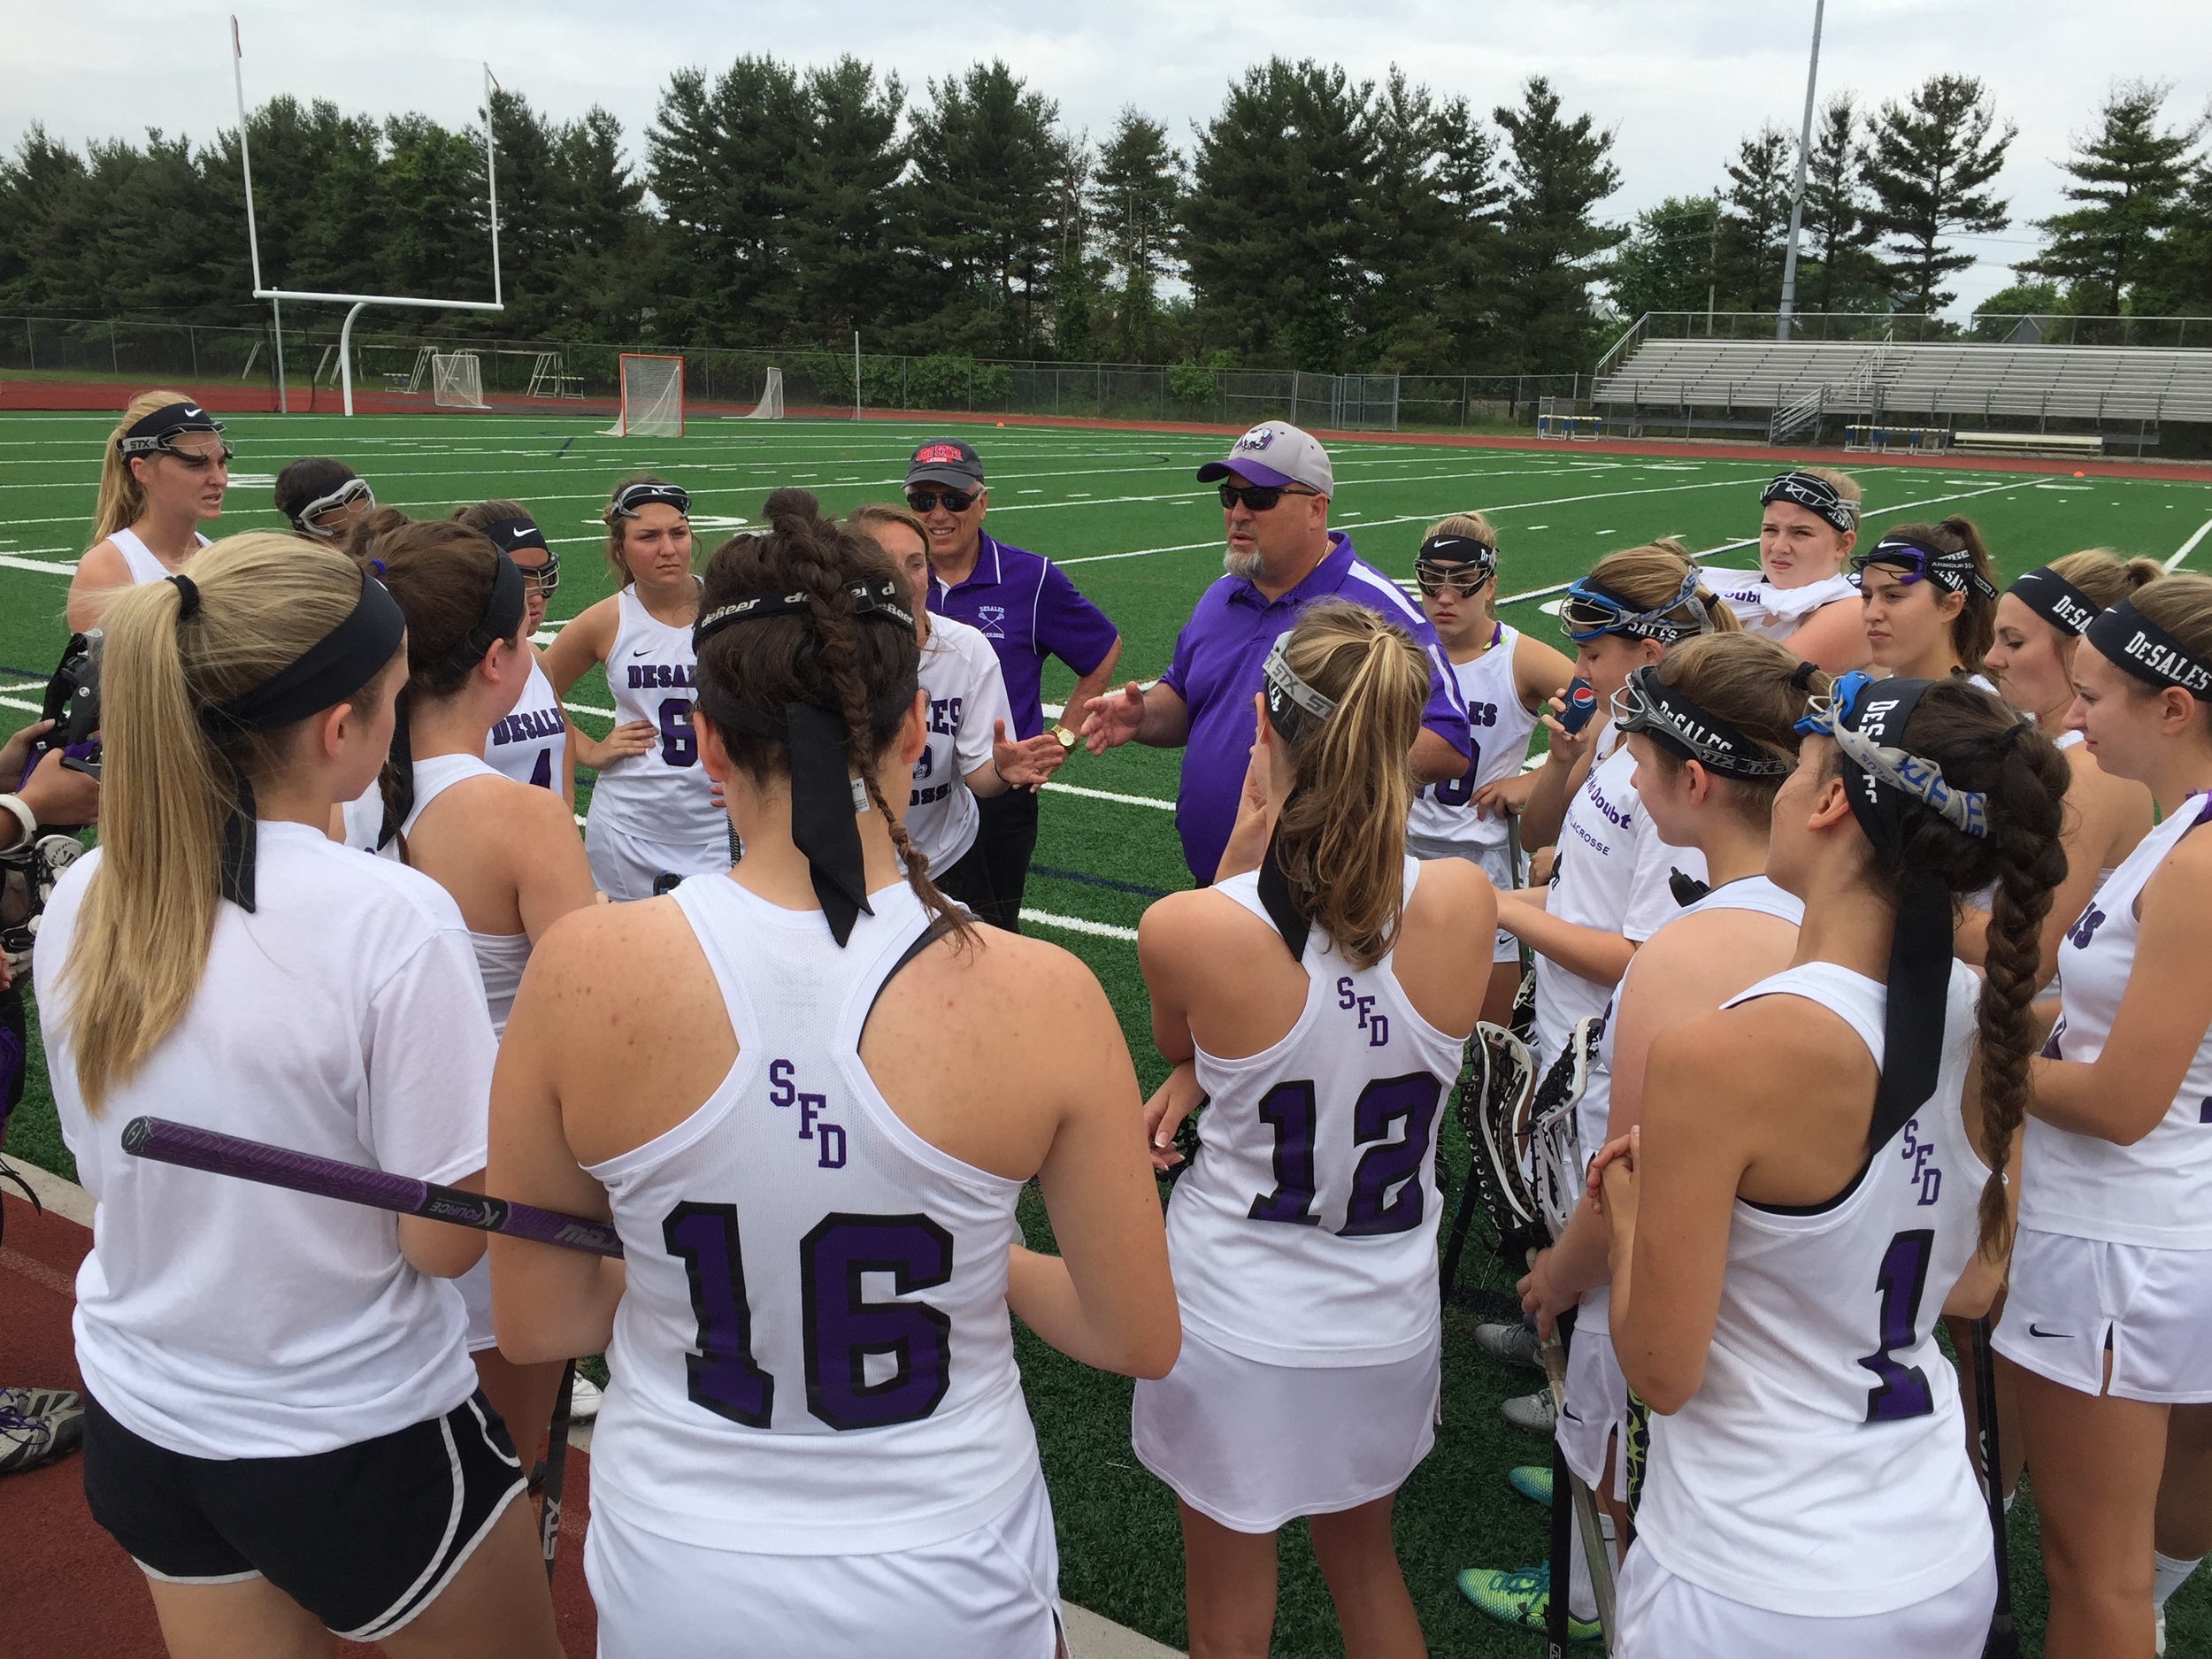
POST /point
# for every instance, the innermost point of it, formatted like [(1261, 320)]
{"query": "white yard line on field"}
[(2190, 546), (1078, 924), (1108, 795)]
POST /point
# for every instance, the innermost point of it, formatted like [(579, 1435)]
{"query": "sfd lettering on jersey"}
[(646, 676), (1917, 1152), (829, 1138), (1376, 1026)]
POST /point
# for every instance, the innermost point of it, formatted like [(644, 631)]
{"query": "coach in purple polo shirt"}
[(1282, 556), (1029, 611)]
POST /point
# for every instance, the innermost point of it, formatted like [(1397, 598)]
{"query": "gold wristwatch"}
[(1067, 738)]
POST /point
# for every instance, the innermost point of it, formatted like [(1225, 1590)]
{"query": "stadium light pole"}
[(1797, 199)]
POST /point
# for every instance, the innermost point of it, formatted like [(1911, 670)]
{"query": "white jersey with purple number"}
[(1771, 612), (530, 744), (2157, 1192), (1500, 724), (1304, 1233), (812, 1355), (967, 697), (1820, 1469), (660, 796)]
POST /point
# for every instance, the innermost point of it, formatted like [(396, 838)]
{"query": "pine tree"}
[(1927, 163), (1836, 228), (1756, 219), (1411, 230), (2128, 178), (36, 186), (1667, 263), (852, 270), (1137, 204), (1556, 173)]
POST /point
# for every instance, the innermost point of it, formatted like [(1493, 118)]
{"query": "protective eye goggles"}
[(1588, 612), (1258, 497), (628, 500), (955, 500), (1646, 703), (157, 431), (193, 460), (1951, 570), (353, 490), (1815, 494), (544, 578), (1966, 810), (1463, 580)]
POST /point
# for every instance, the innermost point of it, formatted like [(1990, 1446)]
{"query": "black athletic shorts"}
[(363, 1538)]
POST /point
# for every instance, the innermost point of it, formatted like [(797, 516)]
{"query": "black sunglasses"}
[(1258, 497), (955, 500)]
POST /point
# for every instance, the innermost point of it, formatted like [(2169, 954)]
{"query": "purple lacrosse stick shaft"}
[(168, 1142)]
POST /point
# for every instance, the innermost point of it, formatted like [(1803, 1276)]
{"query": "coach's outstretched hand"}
[(1173, 1102), (1113, 719), (1026, 764)]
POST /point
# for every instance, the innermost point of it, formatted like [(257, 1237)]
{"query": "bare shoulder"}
[(2185, 875), (995, 970), (644, 935), (1454, 894), (1741, 1055), (1540, 669)]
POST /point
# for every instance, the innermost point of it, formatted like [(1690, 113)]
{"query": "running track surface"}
[(71, 1592)]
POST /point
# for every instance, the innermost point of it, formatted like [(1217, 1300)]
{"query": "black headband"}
[(1463, 550), (1948, 567), (502, 615), (153, 430), (881, 599), (630, 498), (1667, 716), (2057, 601), (328, 671), (507, 535), (2137, 644), (1816, 495)]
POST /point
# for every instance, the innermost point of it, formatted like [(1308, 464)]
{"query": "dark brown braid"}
[(828, 658)]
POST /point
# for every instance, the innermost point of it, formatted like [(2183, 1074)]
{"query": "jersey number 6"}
[(680, 744), (843, 1330)]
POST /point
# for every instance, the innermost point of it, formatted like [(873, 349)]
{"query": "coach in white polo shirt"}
[(1282, 556)]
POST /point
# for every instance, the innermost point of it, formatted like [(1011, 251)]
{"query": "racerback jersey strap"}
[(938, 928)]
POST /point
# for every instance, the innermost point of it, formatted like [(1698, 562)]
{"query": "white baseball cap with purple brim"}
[(1274, 454)]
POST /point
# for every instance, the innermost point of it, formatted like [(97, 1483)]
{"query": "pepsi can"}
[(1582, 703)]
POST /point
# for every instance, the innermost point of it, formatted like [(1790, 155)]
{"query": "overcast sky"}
[(1680, 82)]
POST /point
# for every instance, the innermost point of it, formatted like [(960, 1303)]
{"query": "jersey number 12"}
[(1295, 1114)]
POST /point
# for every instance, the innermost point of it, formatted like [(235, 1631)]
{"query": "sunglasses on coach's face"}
[(1258, 497), (955, 500)]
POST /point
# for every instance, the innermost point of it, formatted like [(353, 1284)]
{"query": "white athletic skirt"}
[(2067, 1297), (1252, 1445), (1494, 862), (990, 1593), (1664, 1616), (625, 866), (1597, 1402)]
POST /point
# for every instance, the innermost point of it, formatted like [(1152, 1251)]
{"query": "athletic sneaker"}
[(1521, 1597), (1532, 1481), (583, 1400), (27, 1441), (1513, 1344), (36, 1402), (1534, 1413)]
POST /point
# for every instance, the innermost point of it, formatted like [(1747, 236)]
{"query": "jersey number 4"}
[(1292, 1111), (911, 1341)]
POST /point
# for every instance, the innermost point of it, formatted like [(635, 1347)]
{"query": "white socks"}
[(2167, 1576)]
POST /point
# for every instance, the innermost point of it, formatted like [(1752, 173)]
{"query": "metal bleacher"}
[(1720, 383)]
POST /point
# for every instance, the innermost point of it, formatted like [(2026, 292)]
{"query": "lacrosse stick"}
[(2004, 1640)]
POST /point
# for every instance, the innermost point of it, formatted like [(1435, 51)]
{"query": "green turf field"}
[(1122, 512)]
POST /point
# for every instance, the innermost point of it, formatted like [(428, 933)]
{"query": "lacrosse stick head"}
[(1503, 1078), (1554, 1146)]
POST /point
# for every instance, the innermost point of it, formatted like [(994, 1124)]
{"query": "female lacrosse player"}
[(1800, 596), (162, 475), (324, 499), (532, 744), (1809, 1182), (1609, 889), (968, 758), (283, 1428), (809, 1100), (1506, 678), (2109, 1316), (652, 815), (506, 852), (1304, 1238), (1929, 601)]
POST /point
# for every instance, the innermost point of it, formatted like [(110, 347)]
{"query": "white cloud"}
[(1678, 82)]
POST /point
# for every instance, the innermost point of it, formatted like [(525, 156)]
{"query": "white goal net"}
[(457, 380), (652, 398), (771, 404)]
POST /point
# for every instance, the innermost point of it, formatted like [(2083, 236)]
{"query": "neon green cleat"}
[(1532, 1481), (1522, 1598)]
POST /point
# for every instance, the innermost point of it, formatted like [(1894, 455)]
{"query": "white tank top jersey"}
[(1611, 874), (2159, 1191), (531, 742), (1444, 813), (661, 795), (1821, 1469), (1771, 612), (343, 1017), (967, 694), (1304, 1233), (812, 1356), (144, 563), (500, 958)]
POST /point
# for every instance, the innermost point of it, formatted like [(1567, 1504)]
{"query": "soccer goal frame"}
[(277, 297)]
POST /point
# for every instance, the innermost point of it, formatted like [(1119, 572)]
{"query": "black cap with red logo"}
[(946, 461)]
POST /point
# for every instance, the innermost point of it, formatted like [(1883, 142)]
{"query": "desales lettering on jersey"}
[(527, 726), (646, 675)]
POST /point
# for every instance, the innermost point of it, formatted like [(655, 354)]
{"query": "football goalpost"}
[(463, 379), (652, 397), (771, 404)]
